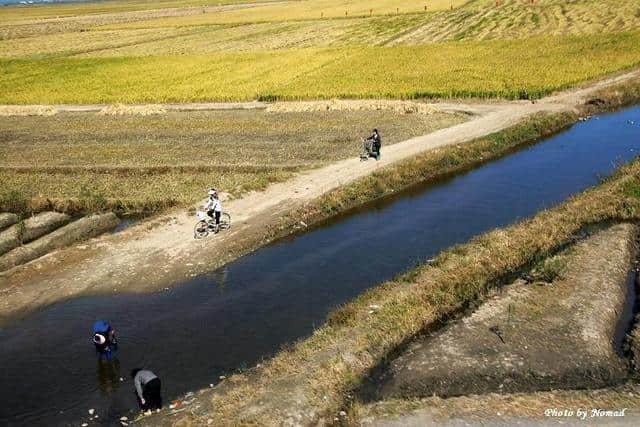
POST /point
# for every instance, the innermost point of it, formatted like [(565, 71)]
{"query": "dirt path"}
[(162, 252)]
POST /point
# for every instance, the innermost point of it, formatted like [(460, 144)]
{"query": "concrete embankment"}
[(84, 228), (533, 336), (30, 229)]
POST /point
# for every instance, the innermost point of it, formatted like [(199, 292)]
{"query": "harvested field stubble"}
[(138, 33), (85, 162), (299, 10), (482, 20)]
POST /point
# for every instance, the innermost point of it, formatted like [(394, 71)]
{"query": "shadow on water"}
[(193, 333)]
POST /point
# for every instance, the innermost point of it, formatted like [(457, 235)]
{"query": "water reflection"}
[(108, 374)]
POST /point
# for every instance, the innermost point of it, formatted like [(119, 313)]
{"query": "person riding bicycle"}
[(376, 144), (214, 207)]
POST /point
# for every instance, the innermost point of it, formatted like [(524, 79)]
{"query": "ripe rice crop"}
[(527, 68)]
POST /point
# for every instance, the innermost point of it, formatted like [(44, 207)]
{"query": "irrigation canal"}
[(195, 332)]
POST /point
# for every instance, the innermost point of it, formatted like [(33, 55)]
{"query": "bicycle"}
[(368, 151), (206, 224)]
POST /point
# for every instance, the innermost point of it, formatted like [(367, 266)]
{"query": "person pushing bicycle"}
[(376, 144)]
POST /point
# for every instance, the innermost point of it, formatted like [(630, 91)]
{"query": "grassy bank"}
[(435, 164), (133, 164), (528, 68), (614, 97), (356, 339)]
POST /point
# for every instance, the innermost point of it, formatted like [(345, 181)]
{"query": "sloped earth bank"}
[(549, 334), (30, 229), (162, 252), (81, 229), (7, 219)]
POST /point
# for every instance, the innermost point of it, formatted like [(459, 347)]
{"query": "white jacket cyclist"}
[(213, 205)]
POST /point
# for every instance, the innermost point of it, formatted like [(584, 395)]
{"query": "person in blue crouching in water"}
[(104, 339)]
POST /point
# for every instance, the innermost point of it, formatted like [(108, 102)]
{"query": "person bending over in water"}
[(147, 389)]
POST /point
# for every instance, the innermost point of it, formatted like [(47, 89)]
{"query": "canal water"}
[(232, 318)]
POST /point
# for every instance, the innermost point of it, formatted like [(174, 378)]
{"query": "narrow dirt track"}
[(162, 252)]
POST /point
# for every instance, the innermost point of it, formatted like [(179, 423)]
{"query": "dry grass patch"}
[(131, 110), (404, 107), (27, 110)]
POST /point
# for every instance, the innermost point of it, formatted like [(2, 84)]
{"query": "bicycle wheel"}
[(225, 221), (200, 230)]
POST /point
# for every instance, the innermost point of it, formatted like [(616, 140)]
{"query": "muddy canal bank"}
[(555, 332)]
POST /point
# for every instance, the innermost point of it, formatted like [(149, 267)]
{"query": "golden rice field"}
[(119, 52), (137, 32), (150, 162), (522, 68)]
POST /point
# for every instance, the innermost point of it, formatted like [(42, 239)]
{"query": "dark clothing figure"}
[(215, 214), (104, 340), (377, 142), (147, 389)]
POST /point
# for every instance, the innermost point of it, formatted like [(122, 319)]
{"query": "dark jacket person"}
[(147, 388), (377, 141)]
